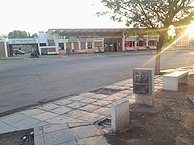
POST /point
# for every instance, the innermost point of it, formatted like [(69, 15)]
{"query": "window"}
[(42, 44)]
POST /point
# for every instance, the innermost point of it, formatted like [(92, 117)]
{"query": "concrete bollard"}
[(143, 86), (144, 100), (120, 115)]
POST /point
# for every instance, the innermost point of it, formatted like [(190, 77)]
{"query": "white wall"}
[(43, 37)]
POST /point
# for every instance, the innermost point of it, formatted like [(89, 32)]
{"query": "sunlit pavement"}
[(72, 120), (129, 53)]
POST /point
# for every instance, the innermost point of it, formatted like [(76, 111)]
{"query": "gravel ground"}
[(23, 137), (171, 122)]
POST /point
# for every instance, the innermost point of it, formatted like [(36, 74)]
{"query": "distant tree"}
[(3, 36), (21, 34), (18, 34), (34, 35), (156, 15)]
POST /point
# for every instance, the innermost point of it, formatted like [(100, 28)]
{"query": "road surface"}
[(29, 82)]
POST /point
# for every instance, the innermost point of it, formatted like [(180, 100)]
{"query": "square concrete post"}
[(123, 41), (5, 46), (143, 86), (120, 115), (65, 45)]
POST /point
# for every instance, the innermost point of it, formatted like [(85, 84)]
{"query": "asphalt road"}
[(29, 82)]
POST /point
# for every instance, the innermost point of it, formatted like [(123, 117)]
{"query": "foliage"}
[(3, 36), (18, 34), (34, 35), (152, 14), (21, 34), (155, 15)]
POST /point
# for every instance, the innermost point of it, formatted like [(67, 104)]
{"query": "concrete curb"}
[(15, 58)]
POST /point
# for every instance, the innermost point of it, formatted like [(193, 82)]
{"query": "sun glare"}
[(190, 30)]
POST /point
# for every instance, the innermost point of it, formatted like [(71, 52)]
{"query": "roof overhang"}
[(87, 31)]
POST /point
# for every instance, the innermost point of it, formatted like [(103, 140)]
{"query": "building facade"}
[(3, 48), (100, 40), (66, 41)]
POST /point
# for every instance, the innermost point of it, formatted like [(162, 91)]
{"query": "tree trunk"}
[(157, 61), (158, 53)]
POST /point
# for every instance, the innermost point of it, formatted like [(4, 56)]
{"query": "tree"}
[(18, 34), (3, 36), (156, 15), (34, 35)]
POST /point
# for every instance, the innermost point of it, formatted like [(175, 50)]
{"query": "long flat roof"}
[(89, 30)]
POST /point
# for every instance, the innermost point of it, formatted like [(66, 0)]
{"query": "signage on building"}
[(22, 41), (72, 39), (2, 39), (143, 81), (98, 39)]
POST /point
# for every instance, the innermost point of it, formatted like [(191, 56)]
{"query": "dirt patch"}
[(106, 91), (23, 137), (171, 122)]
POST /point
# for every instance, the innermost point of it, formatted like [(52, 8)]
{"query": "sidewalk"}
[(72, 120), (132, 53)]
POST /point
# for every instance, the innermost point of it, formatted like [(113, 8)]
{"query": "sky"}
[(40, 15)]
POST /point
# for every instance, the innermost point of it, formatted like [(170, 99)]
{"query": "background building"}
[(66, 41)]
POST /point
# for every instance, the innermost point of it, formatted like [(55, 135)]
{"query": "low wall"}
[(2, 49)]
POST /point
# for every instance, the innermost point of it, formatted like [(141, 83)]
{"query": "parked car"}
[(17, 51)]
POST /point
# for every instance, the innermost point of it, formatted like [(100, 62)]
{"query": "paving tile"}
[(121, 94), (111, 87), (59, 119), (88, 100), (13, 118), (127, 85), (61, 110), (122, 87), (54, 127), (32, 112), (97, 140), (39, 124), (7, 129), (108, 106), (111, 98), (99, 96), (76, 113), (53, 135), (86, 131), (68, 143), (90, 108), (119, 83), (76, 105), (124, 93), (92, 117), (39, 140), (103, 111), (25, 123), (65, 119), (78, 123), (38, 131), (102, 103), (76, 98), (2, 124), (45, 116), (129, 91), (58, 137), (49, 107), (63, 102), (87, 95)]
